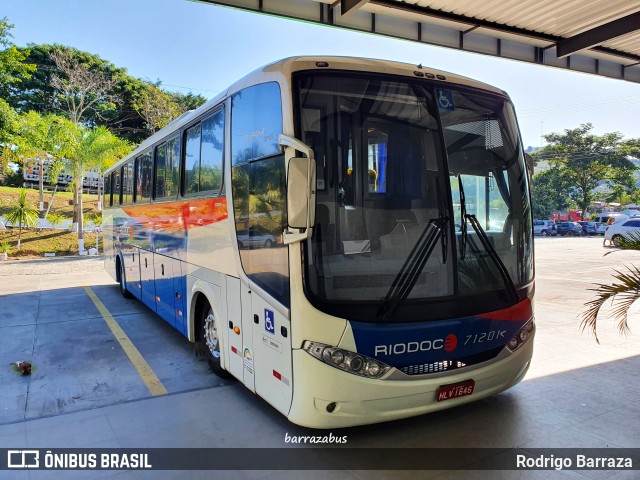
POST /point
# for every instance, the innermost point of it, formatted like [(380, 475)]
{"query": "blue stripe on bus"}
[(405, 344)]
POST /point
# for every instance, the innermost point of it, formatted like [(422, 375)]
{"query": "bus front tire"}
[(211, 339)]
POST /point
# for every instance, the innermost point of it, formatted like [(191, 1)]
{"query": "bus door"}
[(147, 280)]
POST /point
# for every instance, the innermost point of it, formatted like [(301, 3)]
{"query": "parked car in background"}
[(589, 228), (604, 217), (544, 227), (572, 229), (255, 237), (630, 212), (618, 230)]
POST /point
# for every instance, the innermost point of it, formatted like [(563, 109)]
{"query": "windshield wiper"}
[(493, 254), (463, 223), (411, 269)]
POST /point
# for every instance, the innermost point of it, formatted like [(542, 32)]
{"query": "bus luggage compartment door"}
[(233, 341), (248, 353), (131, 265), (165, 294), (147, 280)]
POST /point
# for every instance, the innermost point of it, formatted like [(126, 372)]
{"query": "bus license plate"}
[(455, 390)]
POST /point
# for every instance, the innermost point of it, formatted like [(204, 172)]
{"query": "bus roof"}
[(282, 69)]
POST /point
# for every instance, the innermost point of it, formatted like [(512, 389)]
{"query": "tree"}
[(549, 193), (42, 138), (22, 214), (8, 121), (98, 148), (623, 293), (187, 101), (584, 159), (37, 92), (82, 90), (156, 107), (13, 68)]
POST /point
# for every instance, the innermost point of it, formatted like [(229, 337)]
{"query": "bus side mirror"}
[(299, 192)]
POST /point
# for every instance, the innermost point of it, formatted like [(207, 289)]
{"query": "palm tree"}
[(44, 138), (96, 147), (22, 214), (622, 293)]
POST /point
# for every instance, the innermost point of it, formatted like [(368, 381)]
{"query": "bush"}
[(13, 179), (5, 247)]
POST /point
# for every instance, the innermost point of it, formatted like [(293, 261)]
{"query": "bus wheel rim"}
[(211, 335)]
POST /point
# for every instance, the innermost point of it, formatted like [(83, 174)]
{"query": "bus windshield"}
[(395, 155)]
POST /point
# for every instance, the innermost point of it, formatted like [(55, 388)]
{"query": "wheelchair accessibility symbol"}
[(445, 99)]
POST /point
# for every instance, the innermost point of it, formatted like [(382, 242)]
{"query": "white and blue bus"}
[(349, 238)]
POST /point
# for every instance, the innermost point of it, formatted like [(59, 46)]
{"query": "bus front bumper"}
[(361, 401)]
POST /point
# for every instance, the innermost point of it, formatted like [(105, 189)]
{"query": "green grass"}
[(61, 202), (36, 242)]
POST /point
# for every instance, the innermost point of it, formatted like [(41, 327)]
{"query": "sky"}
[(204, 48)]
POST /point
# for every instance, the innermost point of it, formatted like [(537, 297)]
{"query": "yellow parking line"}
[(150, 379)]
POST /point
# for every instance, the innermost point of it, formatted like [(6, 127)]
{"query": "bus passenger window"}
[(143, 178), (160, 171), (192, 161), (172, 167), (127, 183), (107, 190), (117, 199), (212, 150)]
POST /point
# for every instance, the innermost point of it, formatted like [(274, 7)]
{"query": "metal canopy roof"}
[(593, 36)]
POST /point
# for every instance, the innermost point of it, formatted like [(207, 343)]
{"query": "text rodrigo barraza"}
[(331, 438), (580, 461)]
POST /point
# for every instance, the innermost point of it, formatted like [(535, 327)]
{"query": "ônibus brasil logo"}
[(448, 344)]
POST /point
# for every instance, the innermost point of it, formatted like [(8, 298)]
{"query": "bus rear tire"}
[(211, 340), (121, 280)]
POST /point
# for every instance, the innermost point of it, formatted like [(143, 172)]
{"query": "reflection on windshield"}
[(382, 177), (486, 166)]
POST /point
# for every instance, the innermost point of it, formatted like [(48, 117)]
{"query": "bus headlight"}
[(521, 336), (346, 360)]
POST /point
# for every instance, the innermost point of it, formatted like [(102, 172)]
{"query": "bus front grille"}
[(447, 365), (435, 367)]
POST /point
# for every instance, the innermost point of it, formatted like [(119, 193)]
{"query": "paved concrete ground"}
[(48, 318), (577, 394)]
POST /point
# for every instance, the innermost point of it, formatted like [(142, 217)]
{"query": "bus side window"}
[(142, 178), (116, 197), (127, 184), (259, 187), (192, 161), (160, 171), (107, 190), (172, 167), (146, 177), (212, 153)]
